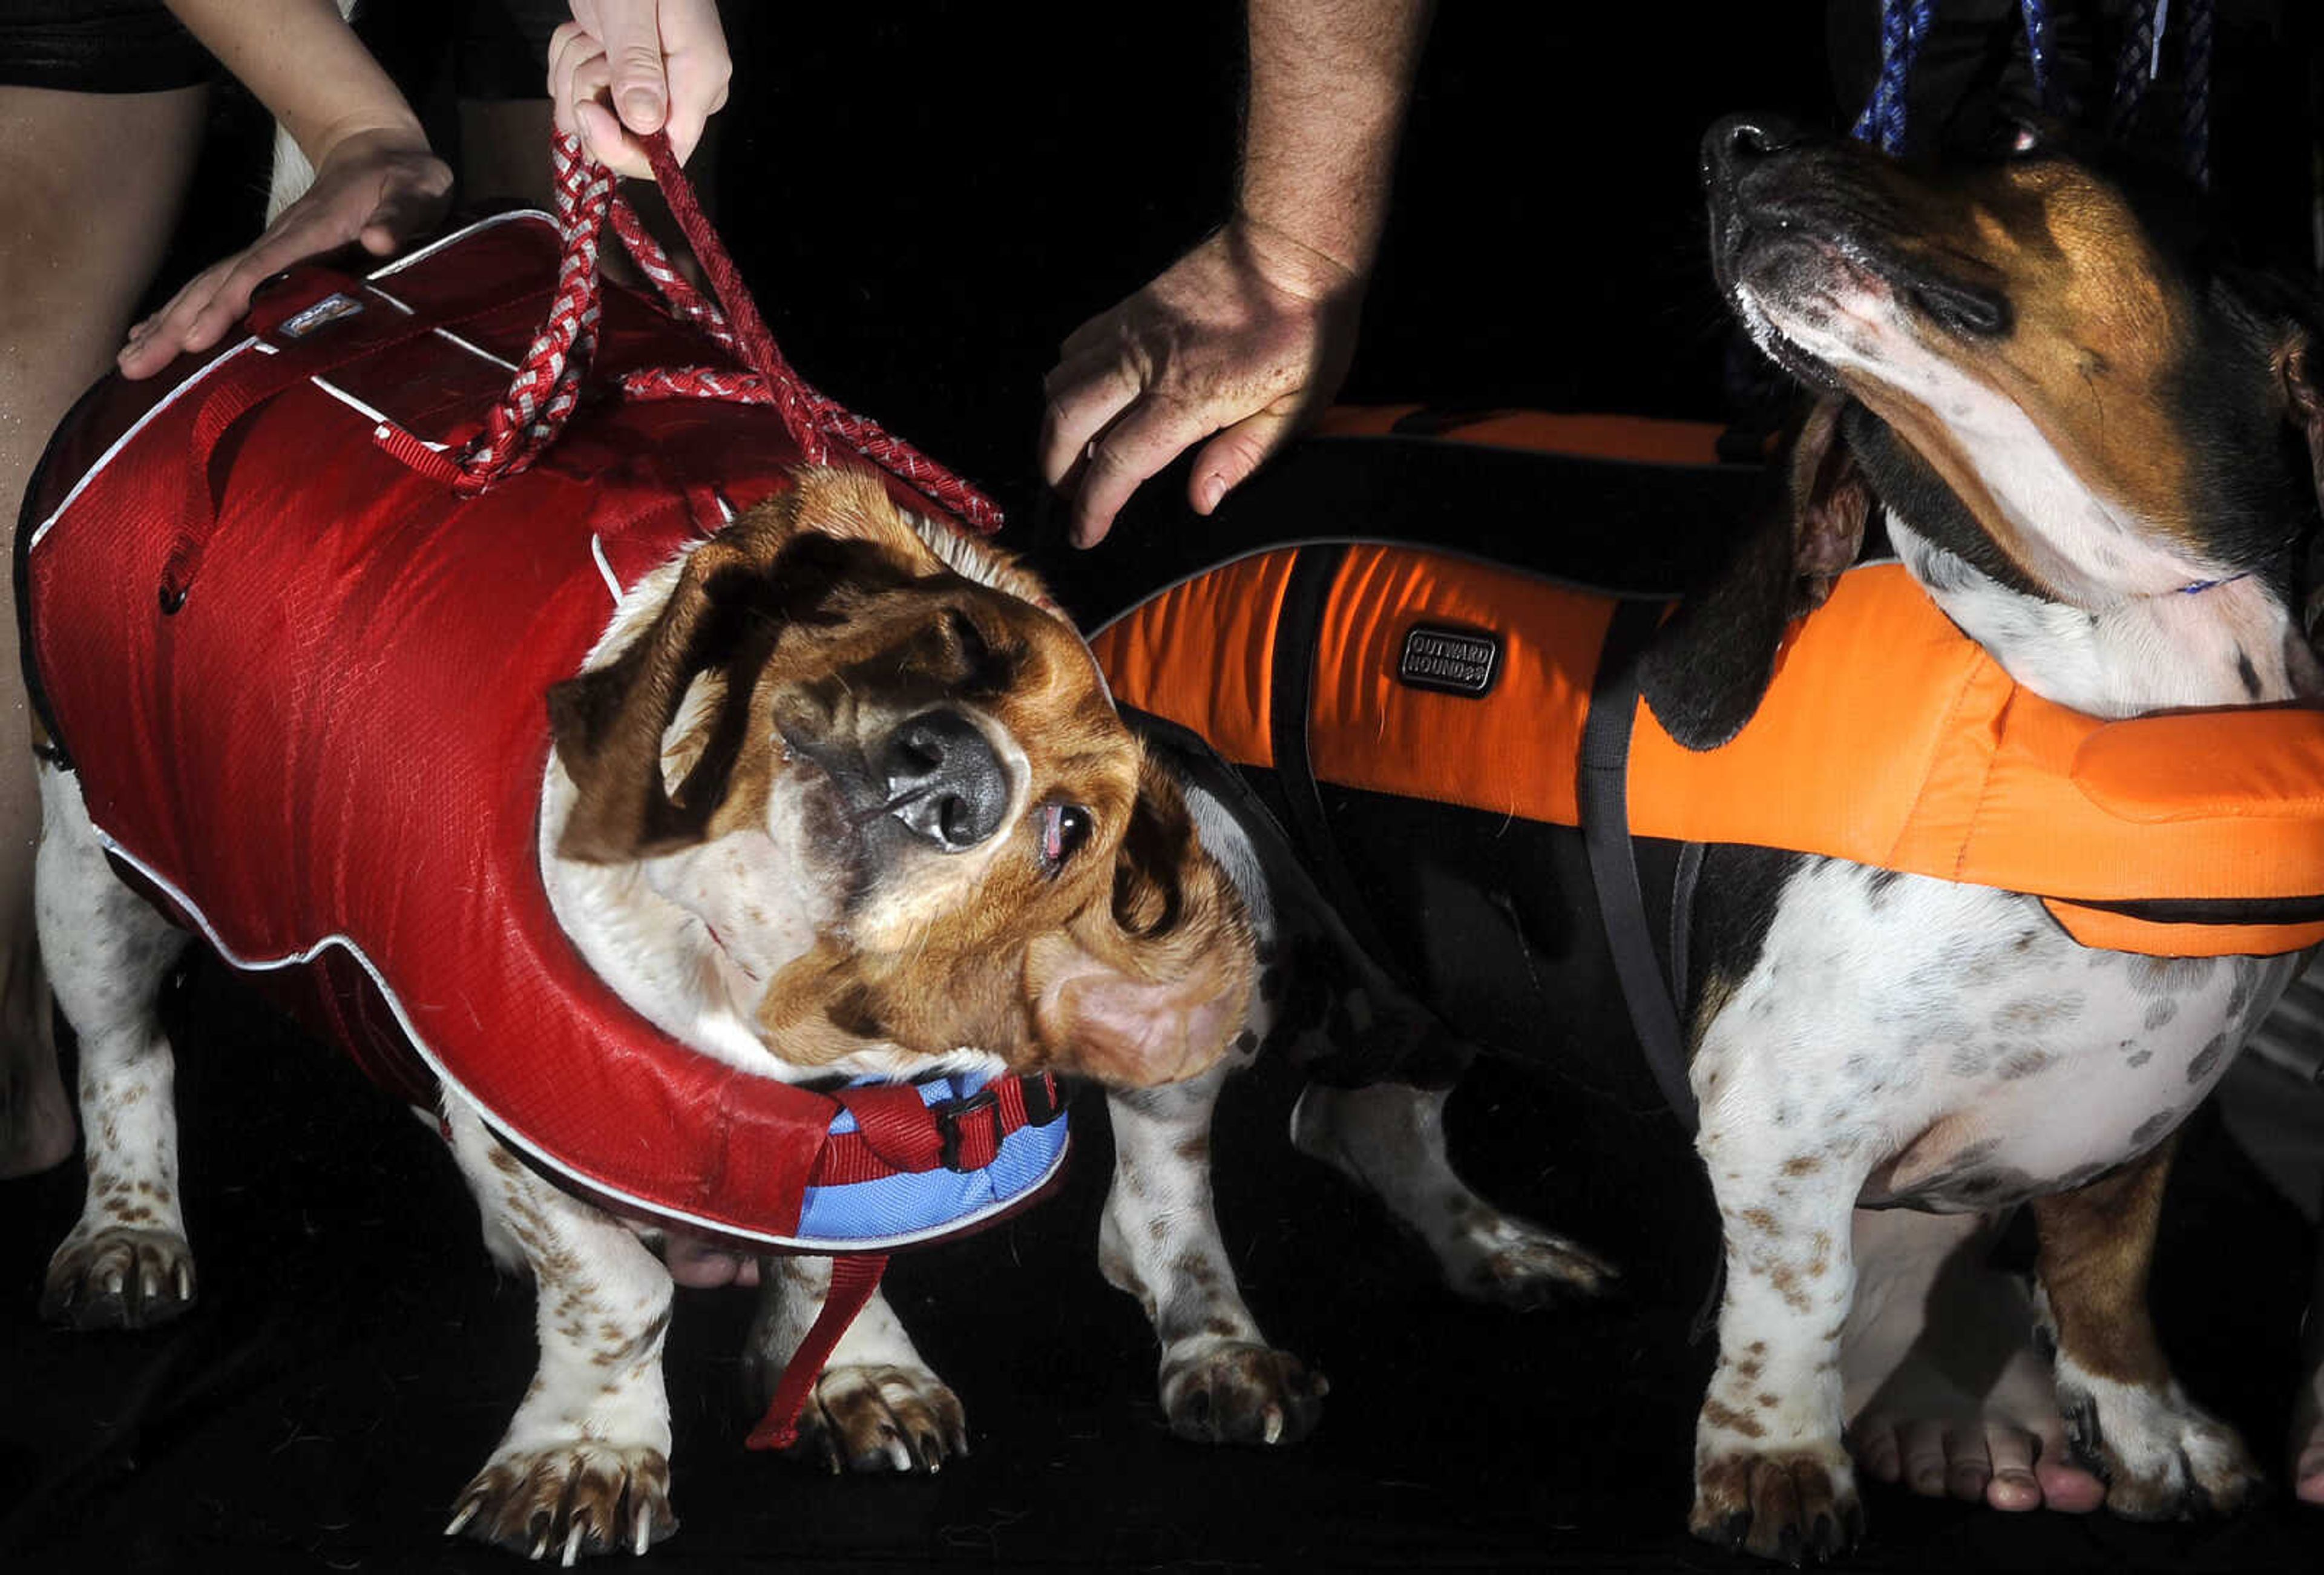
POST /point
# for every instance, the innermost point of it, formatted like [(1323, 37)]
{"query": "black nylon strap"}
[(1291, 692), (1604, 792), (1682, 919)]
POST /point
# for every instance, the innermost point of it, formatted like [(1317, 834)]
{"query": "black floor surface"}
[(927, 201), (354, 1358)]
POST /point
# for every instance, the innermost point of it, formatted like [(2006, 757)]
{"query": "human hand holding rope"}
[(622, 70)]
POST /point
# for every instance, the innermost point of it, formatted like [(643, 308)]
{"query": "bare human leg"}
[(89, 189)]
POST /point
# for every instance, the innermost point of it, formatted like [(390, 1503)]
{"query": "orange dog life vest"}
[(1887, 738)]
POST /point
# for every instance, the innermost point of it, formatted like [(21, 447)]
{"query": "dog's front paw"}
[(119, 1278), (1237, 1391), (1791, 1505), (882, 1419), (1509, 1262), (569, 1500), (2160, 1456)]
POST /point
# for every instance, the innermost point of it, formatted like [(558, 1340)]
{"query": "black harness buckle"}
[(953, 1115), (1045, 1098)]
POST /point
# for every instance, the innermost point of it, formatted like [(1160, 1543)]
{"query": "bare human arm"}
[(1249, 334), (375, 181)]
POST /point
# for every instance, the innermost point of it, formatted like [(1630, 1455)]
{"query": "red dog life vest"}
[(1887, 738), (303, 687)]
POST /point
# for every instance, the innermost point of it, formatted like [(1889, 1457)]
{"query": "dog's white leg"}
[(1771, 1473), (1222, 1383), (125, 1263), (584, 1465), (876, 1407), (1389, 1139)]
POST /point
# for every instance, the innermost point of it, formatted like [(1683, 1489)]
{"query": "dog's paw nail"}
[(1273, 1428)]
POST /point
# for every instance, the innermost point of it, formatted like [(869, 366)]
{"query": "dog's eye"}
[(1065, 828), (2020, 140)]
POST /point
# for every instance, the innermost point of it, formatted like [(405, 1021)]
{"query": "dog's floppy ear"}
[(1149, 988), (1714, 658), (609, 723)]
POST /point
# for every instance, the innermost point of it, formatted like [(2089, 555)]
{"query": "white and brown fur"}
[(727, 839), (2062, 430)]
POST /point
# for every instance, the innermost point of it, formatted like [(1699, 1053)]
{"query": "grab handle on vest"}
[(256, 379)]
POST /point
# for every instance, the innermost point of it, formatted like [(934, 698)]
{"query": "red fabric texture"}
[(342, 732)]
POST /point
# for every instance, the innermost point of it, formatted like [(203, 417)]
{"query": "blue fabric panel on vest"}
[(908, 1205)]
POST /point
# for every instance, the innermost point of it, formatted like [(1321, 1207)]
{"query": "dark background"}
[(926, 200)]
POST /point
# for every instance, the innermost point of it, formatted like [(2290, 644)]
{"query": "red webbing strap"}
[(853, 1278), (896, 1132), (547, 385), (255, 377)]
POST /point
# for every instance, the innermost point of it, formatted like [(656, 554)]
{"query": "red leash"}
[(547, 384)]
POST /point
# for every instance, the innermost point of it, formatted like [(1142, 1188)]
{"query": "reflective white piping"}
[(136, 427), (401, 263), (381, 423), (606, 569), (517, 1140), (472, 348), (391, 301)]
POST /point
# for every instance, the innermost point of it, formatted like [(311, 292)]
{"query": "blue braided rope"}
[(2130, 68), (2195, 94), (1903, 23), (2037, 50)]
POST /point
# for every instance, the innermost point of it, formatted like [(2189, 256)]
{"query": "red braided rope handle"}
[(548, 383)]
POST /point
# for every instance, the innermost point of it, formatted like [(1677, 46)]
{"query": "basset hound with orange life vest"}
[(833, 796), (2098, 452)]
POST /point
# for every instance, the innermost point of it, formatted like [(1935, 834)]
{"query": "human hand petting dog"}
[(379, 187), (1249, 334), (1246, 337), (375, 180), (621, 70)]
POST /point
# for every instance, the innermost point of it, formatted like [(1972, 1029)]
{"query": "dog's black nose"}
[(942, 780), (1742, 140)]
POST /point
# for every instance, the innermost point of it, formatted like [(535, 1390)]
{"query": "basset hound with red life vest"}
[(2099, 454), (836, 794)]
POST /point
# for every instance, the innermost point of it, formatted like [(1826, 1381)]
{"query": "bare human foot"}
[(1946, 1393)]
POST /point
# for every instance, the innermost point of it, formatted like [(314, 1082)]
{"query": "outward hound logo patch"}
[(1453, 662), (329, 309)]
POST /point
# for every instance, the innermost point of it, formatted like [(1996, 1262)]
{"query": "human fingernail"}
[(641, 109), (1212, 488)]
